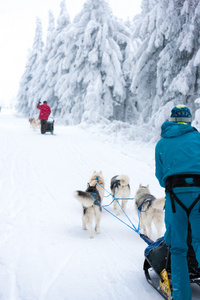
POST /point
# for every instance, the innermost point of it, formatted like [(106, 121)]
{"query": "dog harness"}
[(92, 190), (115, 184), (183, 180), (148, 198)]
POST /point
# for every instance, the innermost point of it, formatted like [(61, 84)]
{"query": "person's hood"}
[(171, 129)]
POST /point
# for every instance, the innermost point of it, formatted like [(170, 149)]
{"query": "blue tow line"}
[(144, 237), (114, 198)]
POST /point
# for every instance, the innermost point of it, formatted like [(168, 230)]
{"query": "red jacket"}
[(45, 111)]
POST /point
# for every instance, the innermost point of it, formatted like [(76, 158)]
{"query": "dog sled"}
[(157, 266), (47, 126)]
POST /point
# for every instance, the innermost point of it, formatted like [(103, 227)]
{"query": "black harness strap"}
[(194, 203), (173, 198), (181, 181)]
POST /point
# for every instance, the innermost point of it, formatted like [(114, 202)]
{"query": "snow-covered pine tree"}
[(55, 53), (92, 85), (145, 60), (131, 113), (165, 72), (37, 89), (47, 69), (177, 75), (24, 97)]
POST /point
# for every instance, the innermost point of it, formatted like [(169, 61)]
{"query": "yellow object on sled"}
[(165, 286)]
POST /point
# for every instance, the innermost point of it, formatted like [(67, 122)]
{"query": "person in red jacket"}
[(45, 111)]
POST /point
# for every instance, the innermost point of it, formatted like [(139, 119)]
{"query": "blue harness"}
[(92, 190)]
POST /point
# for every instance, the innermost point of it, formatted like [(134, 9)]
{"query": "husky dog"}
[(91, 200), (34, 123), (120, 188), (151, 210), (31, 120)]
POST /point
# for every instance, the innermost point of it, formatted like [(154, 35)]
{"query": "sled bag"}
[(157, 254)]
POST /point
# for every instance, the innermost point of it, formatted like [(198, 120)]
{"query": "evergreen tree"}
[(37, 88), (55, 54), (25, 91), (92, 84), (131, 113), (46, 71), (165, 73)]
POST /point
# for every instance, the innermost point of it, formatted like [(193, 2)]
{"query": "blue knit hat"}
[(181, 114)]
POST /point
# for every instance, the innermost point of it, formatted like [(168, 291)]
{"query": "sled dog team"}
[(149, 208)]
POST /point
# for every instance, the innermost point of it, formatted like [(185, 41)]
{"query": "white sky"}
[(17, 29)]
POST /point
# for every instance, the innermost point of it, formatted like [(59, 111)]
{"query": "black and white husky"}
[(91, 200), (120, 189), (151, 210)]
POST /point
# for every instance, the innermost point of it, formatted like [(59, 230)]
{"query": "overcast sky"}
[(17, 30)]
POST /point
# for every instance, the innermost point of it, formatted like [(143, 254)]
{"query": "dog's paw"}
[(97, 229)]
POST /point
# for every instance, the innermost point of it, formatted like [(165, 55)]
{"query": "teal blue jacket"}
[(178, 152)]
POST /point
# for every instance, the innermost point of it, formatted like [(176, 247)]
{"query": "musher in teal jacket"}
[(177, 159)]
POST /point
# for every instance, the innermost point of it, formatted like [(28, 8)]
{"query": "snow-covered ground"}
[(44, 253)]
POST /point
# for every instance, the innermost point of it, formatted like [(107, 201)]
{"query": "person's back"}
[(178, 151), (45, 111)]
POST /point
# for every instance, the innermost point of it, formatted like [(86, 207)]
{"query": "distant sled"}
[(47, 126), (50, 127)]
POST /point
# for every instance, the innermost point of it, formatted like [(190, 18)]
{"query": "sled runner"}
[(157, 266)]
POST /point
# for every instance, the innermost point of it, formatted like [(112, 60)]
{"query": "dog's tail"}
[(85, 198), (124, 179), (158, 203)]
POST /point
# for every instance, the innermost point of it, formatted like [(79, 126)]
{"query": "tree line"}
[(101, 68)]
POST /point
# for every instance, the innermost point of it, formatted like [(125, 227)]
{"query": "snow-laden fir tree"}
[(55, 53), (24, 97), (39, 81), (176, 72), (129, 59), (166, 66), (92, 85), (46, 71)]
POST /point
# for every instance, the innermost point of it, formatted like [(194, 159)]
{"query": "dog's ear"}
[(88, 184), (140, 185)]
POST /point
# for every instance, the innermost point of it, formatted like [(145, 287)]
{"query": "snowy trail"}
[(44, 253)]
